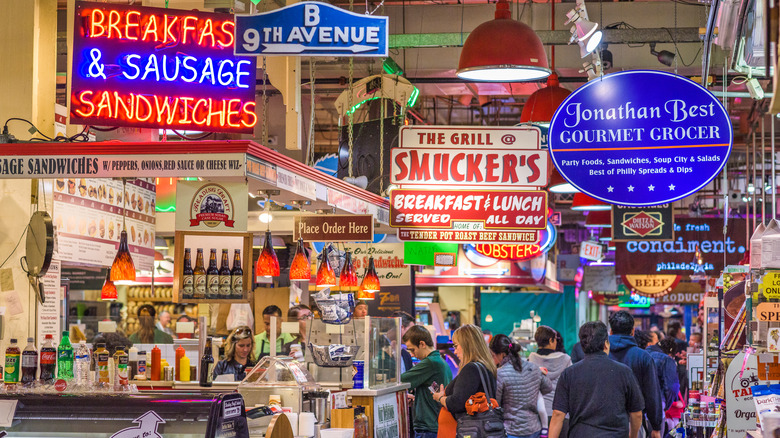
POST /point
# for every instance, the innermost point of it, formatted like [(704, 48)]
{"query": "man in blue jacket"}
[(623, 348)]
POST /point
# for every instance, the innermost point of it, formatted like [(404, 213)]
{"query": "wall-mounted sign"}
[(652, 286), (469, 157), (456, 236), (311, 29), (209, 206), (334, 228), (154, 67), (468, 209), (770, 284), (388, 261), (427, 253), (600, 278), (768, 312), (640, 138), (591, 250), (642, 223), (676, 256)]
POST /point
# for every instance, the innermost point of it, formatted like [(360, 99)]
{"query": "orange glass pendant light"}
[(267, 264), (370, 284), (348, 276), (123, 268), (325, 275), (300, 268), (108, 292)]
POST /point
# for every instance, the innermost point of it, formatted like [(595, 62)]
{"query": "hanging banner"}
[(311, 29), (677, 256), (640, 137), (652, 286), (208, 206), (642, 223), (159, 68), (90, 214)]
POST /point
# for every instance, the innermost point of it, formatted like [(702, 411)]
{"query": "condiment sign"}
[(642, 223), (640, 138), (334, 228), (155, 68), (653, 286), (468, 209), (469, 157), (311, 29), (768, 312), (770, 285)]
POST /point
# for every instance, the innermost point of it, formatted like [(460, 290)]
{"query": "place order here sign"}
[(469, 184)]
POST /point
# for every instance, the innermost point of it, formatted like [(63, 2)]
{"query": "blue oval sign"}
[(640, 137)]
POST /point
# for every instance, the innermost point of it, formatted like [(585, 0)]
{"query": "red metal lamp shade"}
[(584, 202), (348, 275), (606, 235), (108, 292), (543, 103), (325, 275), (267, 264), (559, 185), (123, 268), (300, 268), (370, 284), (599, 219), (503, 50)]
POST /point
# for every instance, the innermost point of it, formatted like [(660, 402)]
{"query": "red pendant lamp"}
[(543, 103), (599, 219), (583, 202), (108, 291), (605, 235), (370, 284), (486, 57), (325, 275), (300, 268), (267, 264), (123, 268), (348, 275), (559, 185)]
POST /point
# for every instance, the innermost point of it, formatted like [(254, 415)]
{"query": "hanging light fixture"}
[(584, 32), (348, 276), (370, 284), (123, 268), (267, 263), (599, 219), (300, 268), (583, 202), (559, 185), (485, 56), (108, 291), (325, 275), (605, 235), (541, 105)]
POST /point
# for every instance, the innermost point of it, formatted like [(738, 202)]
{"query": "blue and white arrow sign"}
[(311, 29)]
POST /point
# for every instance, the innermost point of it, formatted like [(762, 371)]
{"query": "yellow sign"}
[(771, 284)]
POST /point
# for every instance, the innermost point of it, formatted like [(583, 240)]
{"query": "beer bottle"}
[(199, 276), (212, 276), (237, 275), (224, 276), (188, 277), (206, 365)]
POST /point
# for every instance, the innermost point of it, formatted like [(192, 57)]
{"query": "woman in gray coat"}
[(519, 384)]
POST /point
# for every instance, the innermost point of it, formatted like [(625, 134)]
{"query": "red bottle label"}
[(48, 357)]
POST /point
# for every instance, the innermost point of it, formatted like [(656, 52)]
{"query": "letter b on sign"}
[(311, 15)]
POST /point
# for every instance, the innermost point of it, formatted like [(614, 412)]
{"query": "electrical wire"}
[(13, 251), (37, 131), (191, 138)]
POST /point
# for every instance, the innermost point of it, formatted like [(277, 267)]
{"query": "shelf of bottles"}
[(212, 267)]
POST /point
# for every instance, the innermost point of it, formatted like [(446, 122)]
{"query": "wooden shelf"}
[(213, 301), (154, 300)]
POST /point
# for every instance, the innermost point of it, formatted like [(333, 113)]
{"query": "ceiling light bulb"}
[(266, 217)]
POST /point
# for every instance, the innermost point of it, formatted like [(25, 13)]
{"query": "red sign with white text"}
[(516, 252), (468, 236), (468, 209)]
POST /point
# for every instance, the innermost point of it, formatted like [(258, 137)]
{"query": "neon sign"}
[(517, 251), (159, 68)]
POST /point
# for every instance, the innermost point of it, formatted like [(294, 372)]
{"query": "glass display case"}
[(282, 376), (383, 360)]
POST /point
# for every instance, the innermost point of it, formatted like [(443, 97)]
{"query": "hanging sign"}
[(741, 374), (642, 223), (468, 209), (334, 228), (599, 278), (640, 137), (208, 206), (768, 312), (159, 68), (770, 284), (389, 262), (683, 293), (456, 236), (591, 250), (652, 286), (610, 298), (311, 29)]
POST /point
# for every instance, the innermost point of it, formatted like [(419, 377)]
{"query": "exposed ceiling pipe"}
[(707, 49)]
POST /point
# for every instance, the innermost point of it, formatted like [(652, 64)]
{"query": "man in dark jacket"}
[(623, 348), (666, 368)]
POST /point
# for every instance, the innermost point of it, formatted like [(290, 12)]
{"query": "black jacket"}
[(232, 367), (623, 348)]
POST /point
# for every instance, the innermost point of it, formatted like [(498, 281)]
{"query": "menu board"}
[(88, 215)]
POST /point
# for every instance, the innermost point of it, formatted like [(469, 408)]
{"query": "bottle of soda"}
[(101, 365), (81, 363), (224, 276), (65, 358), (199, 275), (212, 276), (120, 373), (12, 354), (48, 360), (29, 363), (206, 365), (188, 277), (237, 276)]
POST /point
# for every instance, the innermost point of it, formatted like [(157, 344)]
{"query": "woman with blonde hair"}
[(475, 361), (239, 354), (148, 333)]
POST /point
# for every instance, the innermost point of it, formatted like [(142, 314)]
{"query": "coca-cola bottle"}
[(48, 360), (29, 363)]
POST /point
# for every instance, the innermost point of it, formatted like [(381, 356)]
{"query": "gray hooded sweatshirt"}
[(555, 363)]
